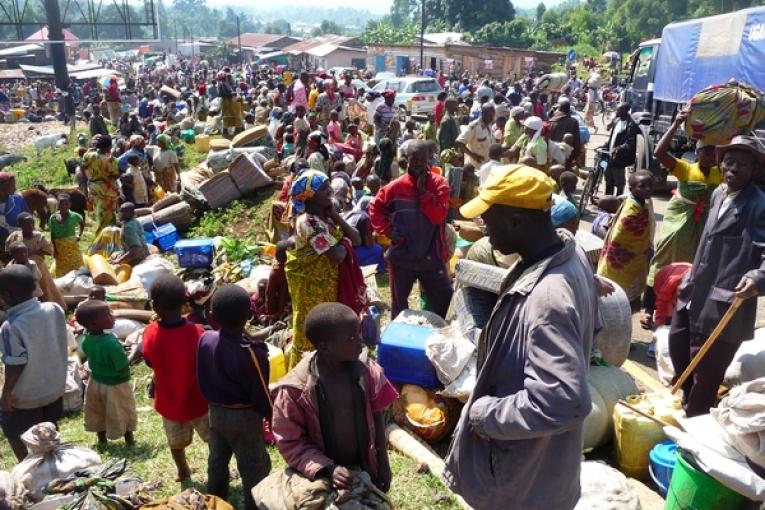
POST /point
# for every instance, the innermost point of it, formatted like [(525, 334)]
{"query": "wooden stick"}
[(646, 415), (708, 344)]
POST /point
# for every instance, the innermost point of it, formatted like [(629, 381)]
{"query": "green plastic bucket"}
[(691, 489)]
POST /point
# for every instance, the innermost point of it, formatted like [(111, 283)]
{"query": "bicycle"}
[(594, 178)]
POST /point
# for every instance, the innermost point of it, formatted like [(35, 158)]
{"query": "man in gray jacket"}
[(519, 440), (729, 262)]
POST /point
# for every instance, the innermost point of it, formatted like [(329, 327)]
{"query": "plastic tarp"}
[(698, 53)]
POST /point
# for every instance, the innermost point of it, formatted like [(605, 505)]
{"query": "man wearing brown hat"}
[(518, 443), (729, 263)]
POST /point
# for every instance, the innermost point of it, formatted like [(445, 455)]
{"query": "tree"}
[(541, 8), (514, 34), (471, 15), (327, 27), (384, 32), (279, 27)]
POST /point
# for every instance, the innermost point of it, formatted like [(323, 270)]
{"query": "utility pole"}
[(239, 40), (422, 36), (56, 44), (175, 30)]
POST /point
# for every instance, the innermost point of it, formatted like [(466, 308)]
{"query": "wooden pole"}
[(646, 415), (708, 344)]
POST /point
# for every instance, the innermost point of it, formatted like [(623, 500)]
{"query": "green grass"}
[(150, 458), (244, 218)]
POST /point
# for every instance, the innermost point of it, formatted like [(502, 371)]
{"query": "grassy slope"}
[(150, 458)]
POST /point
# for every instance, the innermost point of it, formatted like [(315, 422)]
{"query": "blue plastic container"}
[(148, 236), (165, 236), (402, 354), (194, 252), (662, 458)]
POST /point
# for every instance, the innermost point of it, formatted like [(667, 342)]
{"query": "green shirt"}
[(132, 235), (107, 359), (513, 131), (65, 229)]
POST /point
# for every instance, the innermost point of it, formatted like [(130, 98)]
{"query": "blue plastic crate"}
[(165, 236), (148, 236), (194, 252), (402, 354)]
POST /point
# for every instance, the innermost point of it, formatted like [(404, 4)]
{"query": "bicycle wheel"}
[(596, 185), (587, 191)]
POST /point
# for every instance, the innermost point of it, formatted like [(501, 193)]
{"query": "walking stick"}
[(709, 343)]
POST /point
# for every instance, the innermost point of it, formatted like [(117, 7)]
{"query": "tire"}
[(587, 192)]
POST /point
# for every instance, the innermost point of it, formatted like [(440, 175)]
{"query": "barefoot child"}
[(170, 348), (626, 250), (328, 411), (109, 403), (65, 232), (233, 377)]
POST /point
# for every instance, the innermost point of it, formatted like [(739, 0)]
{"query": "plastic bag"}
[(462, 386), (74, 283), (449, 352), (370, 326), (123, 328), (663, 361), (605, 488), (150, 268), (73, 390), (49, 458), (748, 362)]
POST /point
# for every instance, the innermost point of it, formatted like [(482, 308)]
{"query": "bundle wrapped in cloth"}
[(720, 112)]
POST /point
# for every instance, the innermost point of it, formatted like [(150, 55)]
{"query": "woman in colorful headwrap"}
[(102, 172), (531, 146), (312, 264), (627, 247), (686, 211), (166, 167)]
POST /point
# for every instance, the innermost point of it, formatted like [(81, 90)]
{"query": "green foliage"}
[(150, 458), (385, 32), (541, 8), (328, 27), (513, 34)]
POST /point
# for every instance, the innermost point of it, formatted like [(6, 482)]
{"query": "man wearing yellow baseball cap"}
[(522, 432)]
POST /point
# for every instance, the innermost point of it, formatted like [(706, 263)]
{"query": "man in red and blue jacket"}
[(411, 211)]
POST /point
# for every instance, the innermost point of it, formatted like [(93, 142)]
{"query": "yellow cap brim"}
[(474, 208)]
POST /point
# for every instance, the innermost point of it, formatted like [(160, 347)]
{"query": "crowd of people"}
[(366, 187)]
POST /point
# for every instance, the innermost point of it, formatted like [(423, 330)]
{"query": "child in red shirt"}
[(170, 348)]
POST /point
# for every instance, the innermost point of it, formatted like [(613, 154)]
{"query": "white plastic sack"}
[(74, 283), (13, 489), (663, 361), (218, 161), (258, 273), (741, 415), (73, 390), (150, 268), (715, 457), (613, 341), (123, 328), (49, 459), (462, 387), (749, 362), (449, 352), (605, 488)]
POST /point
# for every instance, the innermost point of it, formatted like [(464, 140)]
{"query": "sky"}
[(377, 7)]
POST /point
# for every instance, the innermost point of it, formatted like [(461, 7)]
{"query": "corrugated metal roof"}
[(11, 74), (20, 50)]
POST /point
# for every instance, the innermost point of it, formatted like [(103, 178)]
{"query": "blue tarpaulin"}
[(708, 51)]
